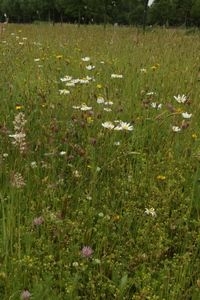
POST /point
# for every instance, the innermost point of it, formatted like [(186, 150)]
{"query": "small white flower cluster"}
[(150, 211), (176, 129), (19, 137), (101, 100), (119, 127), (17, 180), (72, 82), (156, 105), (151, 93), (64, 92), (181, 99), (82, 107), (86, 58), (116, 76), (186, 115), (89, 67)]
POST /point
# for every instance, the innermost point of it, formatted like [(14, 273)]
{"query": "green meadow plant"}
[(99, 163)]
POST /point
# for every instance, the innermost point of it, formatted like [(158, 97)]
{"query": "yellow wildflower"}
[(161, 177), (89, 120), (194, 136), (18, 107)]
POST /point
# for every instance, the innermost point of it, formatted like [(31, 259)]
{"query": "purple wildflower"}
[(86, 251)]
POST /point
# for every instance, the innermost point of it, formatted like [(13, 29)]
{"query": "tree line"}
[(127, 12)]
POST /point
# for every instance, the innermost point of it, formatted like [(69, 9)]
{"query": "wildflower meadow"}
[(99, 163)]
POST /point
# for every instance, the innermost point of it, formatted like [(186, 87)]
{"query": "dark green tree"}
[(162, 12), (195, 13)]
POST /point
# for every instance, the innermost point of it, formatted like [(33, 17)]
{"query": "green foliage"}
[(174, 12), (162, 12), (195, 12)]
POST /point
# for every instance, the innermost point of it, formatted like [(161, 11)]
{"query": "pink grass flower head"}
[(25, 295), (38, 221), (86, 251)]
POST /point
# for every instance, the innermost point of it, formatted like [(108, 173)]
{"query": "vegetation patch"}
[(99, 163)]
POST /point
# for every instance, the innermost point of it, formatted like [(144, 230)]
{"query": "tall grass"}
[(90, 212)]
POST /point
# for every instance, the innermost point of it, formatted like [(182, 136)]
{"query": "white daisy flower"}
[(118, 128), (100, 100), (70, 83), (33, 164), (186, 115), (86, 58), (108, 125), (176, 129), (66, 78), (64, 92), (90, 78), (90, 67), (83, 81), (124, 126), (75, 81), (62, 153), (84, 107), (150, 93), (180, 98), (156, 105), (116, 76), (108, 103)]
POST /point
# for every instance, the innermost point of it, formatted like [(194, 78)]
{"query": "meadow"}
[(99, 163)]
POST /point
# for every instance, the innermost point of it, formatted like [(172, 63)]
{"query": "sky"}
[(150, 2)]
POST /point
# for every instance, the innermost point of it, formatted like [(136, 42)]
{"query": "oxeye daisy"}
[(84, 107), (86, 58), (100, 100), (180, 98), (116, 76), (124, 126), (186, 115), (108, 125), (176, 129), (66, 78), (90, 67), (64, 92)]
